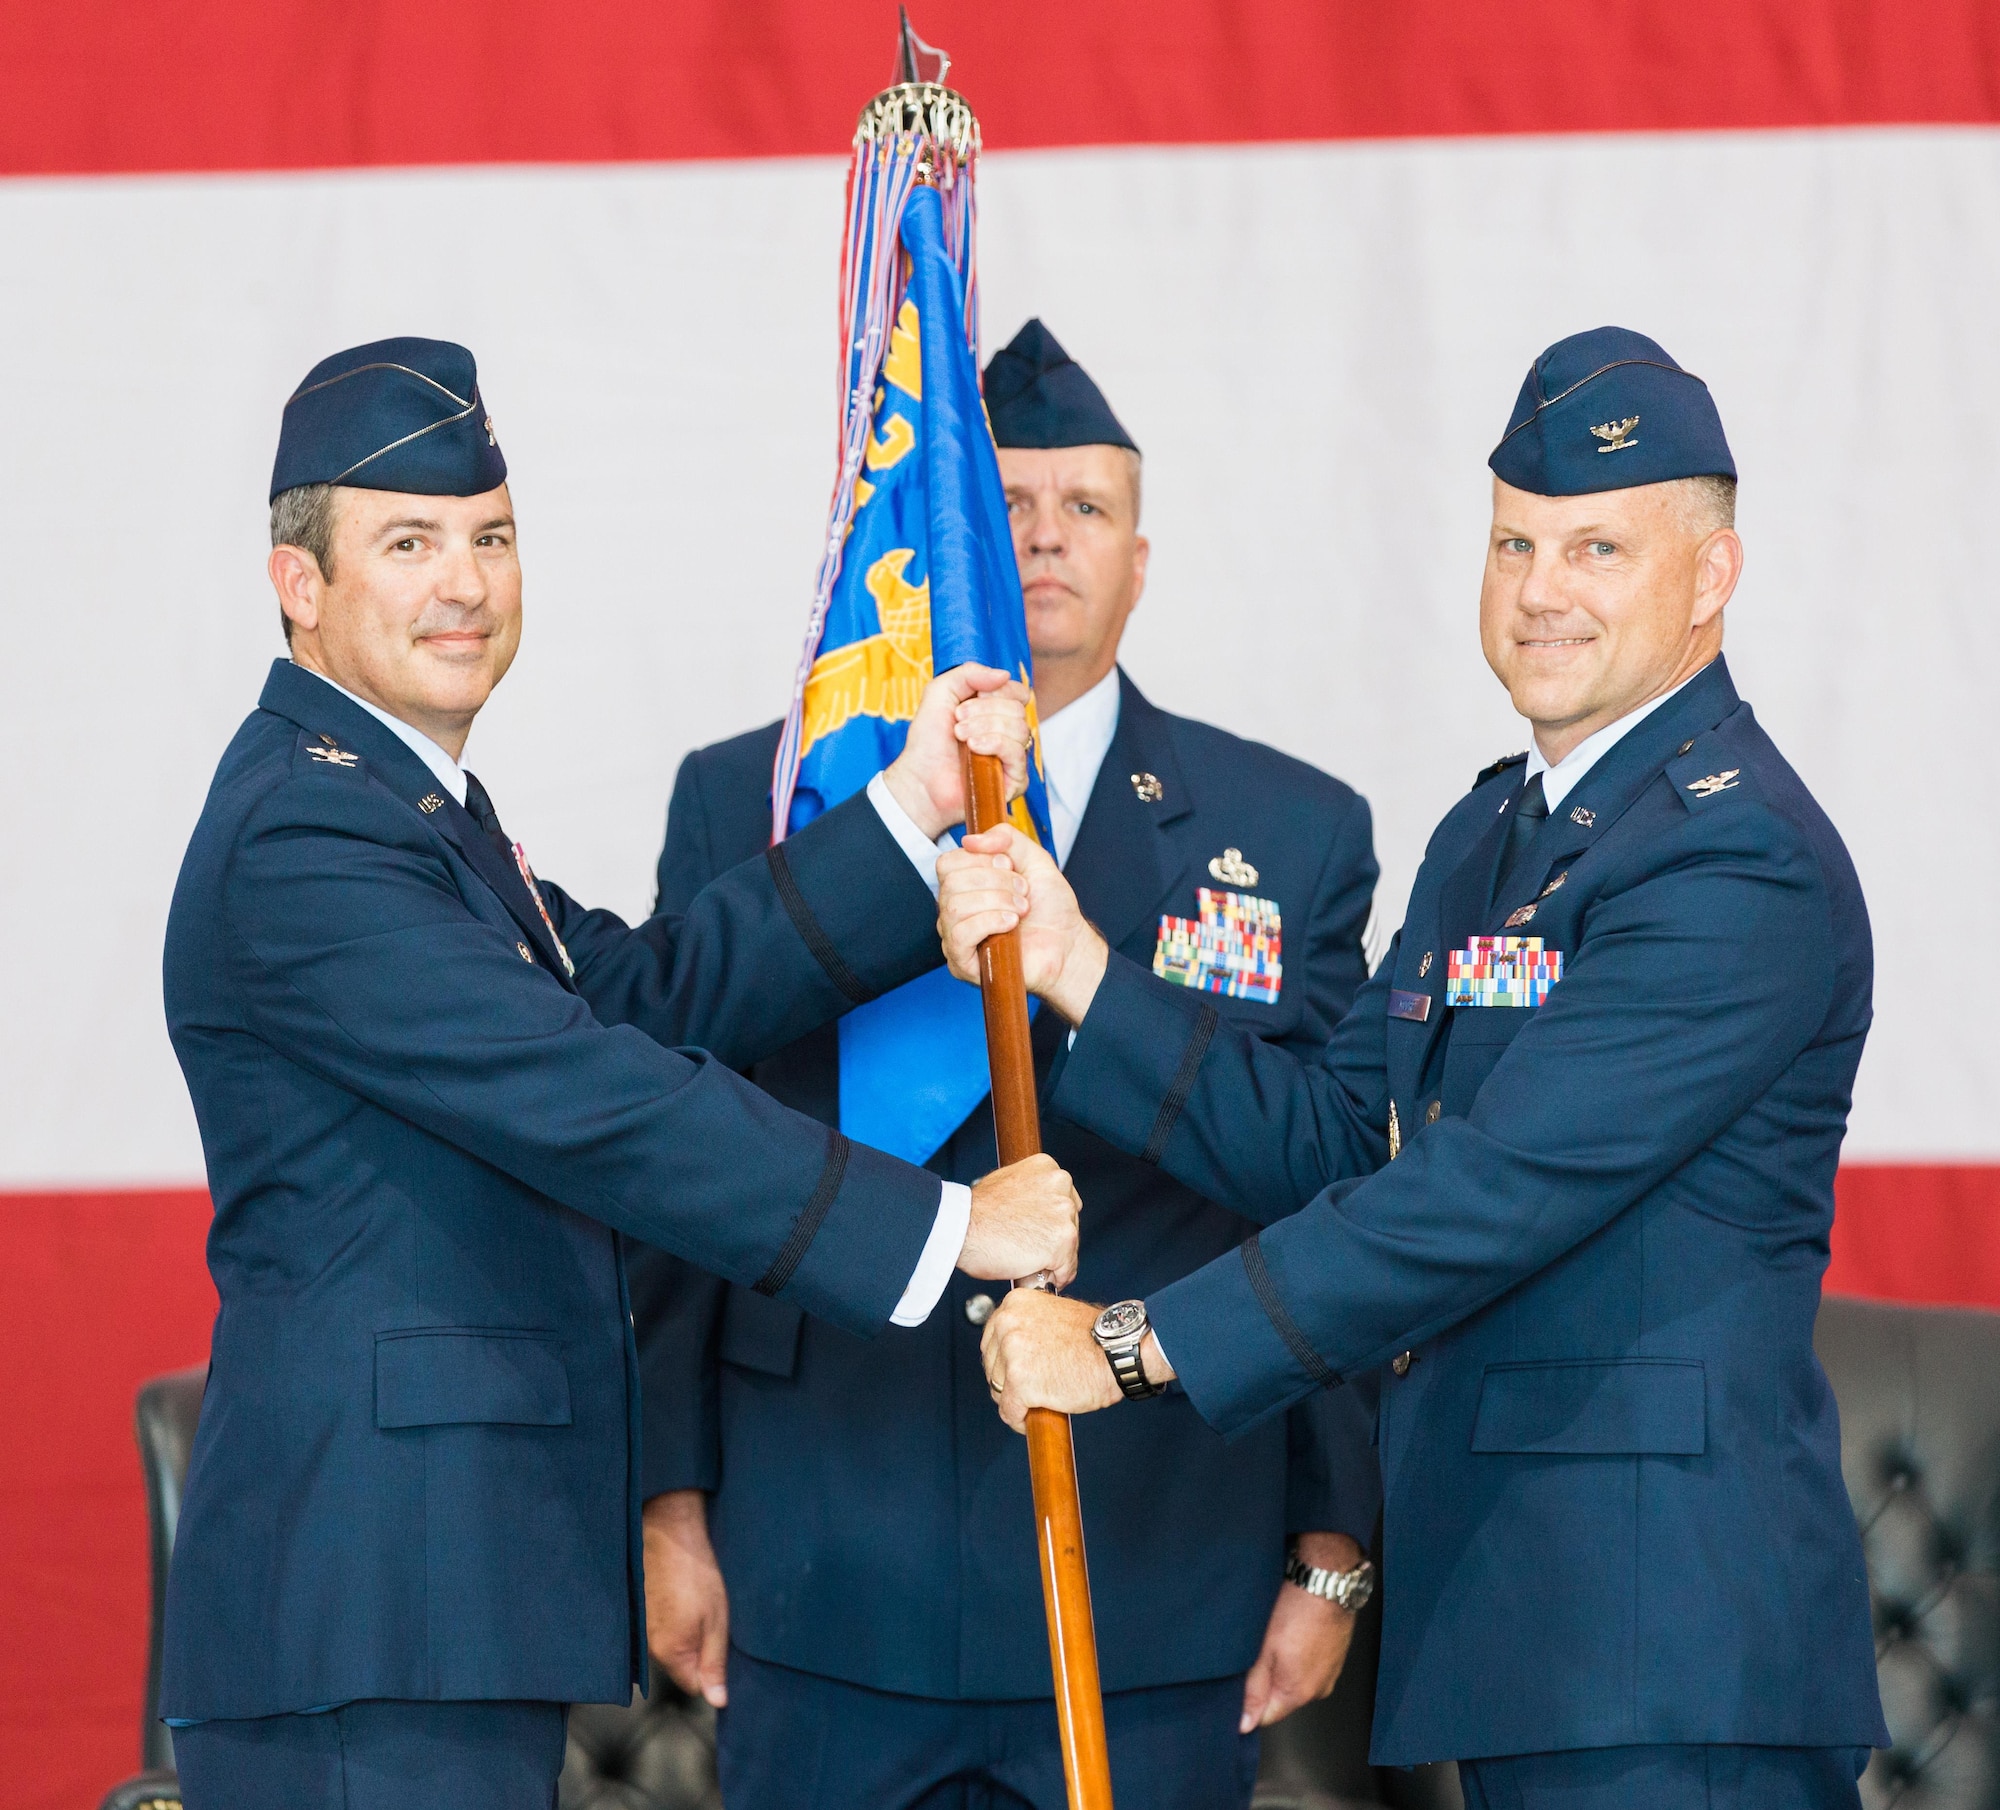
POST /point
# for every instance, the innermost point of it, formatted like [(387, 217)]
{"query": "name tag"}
[(1501, 971), (1416, 1007)]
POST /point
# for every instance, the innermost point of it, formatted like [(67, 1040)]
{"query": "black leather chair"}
[(1919, 1392)]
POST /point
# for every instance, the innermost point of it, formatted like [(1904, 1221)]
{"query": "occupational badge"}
[(1501, 971), (1231, 869), (549, 923), (1515, 919), (1233, 948)]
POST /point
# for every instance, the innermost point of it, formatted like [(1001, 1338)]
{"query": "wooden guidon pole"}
[(1051, 1455)]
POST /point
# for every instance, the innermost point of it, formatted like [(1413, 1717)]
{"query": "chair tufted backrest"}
[(657, 1755), (1919, 1394)]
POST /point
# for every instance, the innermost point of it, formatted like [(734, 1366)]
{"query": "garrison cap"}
[(1037, 395), (1609, 410), (398, 414)]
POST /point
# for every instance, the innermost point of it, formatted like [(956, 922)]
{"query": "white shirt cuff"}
[(940, 1256), (923, 852)]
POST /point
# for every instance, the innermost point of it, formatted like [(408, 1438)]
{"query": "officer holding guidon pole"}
[(432, 1094), (1564, 1174)]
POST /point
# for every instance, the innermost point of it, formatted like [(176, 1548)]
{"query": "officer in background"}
[(432, 1091), (872, 1581), (1566, 1170)]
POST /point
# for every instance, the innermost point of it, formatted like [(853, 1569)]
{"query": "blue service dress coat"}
[(1615, 1512), (416, 1474), (871, 1512)]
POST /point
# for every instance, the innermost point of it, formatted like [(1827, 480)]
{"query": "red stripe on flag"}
[(1917, 1232), (97, 1293), (117, 85)]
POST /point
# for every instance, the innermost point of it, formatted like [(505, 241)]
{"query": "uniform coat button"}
[(1400, 1363), (979, 1309)]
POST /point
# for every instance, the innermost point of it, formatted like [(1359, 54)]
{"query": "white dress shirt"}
[(1561, 779), (954, 1217)]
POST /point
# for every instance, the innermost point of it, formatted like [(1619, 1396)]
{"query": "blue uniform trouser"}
[(378, 1756), (794, 1741), (1668, 1778)]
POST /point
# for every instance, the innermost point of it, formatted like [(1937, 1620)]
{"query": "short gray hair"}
[(302, 517), (1708, 504)]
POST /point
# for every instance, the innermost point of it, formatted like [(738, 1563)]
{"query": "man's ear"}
[(296, 577), (1718, 564), (1142, 551)]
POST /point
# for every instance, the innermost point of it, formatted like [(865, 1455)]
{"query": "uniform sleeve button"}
[(1432, 1111), (979, 1309), (1400, 1363)]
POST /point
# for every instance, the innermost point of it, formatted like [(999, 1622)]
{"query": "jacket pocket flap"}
[(760, 1333), (1624, 1405), (447, 1376)]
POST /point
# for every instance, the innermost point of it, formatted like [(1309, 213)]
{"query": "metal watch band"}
[(1125, 1355), (1345, 1589)]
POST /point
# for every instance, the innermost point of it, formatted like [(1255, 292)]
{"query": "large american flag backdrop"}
[(1308, 246)]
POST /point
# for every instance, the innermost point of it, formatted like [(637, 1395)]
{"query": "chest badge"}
[(1501, 971), (1515, 919), (1231, 869), (1148, 788), (1725, 781), (1553, 884), (1395, 1133), (1234, 948)]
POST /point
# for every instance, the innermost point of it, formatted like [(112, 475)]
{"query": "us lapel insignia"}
[(430, 802), (1234, 948), (1618, 433), (1553, 884), (1501, 971), (1148, 787), (1230, 868), (1515, 918), (1587, 819), (1424, 966), (1724, 781), (1395, 1134), (548, 923)]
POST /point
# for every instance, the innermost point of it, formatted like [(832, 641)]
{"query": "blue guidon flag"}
[(918, 577)]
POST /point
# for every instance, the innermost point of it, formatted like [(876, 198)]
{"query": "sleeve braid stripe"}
[(808, 927), (1279, 1315), (1177, 1095), (811, 1217)]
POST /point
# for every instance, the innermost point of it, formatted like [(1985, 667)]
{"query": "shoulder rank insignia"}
[(1724, 781), (1230, 868), (1499, 766), (334, 757), (1618, 433), (1148, 788)]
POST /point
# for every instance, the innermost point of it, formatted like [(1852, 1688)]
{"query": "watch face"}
[(1120, 1321)]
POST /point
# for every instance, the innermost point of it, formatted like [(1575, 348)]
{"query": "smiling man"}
[(432, 1093), (1565, 1173)]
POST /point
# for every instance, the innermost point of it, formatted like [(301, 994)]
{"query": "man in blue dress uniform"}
[(851, 1516), (432, 1093), (1566, 1171)]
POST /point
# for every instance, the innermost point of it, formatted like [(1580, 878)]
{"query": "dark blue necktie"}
[(1529, 812)]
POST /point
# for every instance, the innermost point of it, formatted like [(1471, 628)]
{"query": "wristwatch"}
[(1346, 1589), (1120, 1330)]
